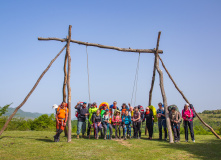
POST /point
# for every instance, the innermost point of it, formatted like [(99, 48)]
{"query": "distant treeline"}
[(47, 123), (218, 111)]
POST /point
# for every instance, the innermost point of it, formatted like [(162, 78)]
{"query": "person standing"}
[(175, 119), (61, 119), (161, 121), (148, 115), (92, 112), (126, 120), (137, 122), (113, 108), (82, 115), (187, 115), (117, 123)]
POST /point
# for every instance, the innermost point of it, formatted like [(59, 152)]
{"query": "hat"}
[(187, 104), (107, 110), (84, 102), (173, 108)]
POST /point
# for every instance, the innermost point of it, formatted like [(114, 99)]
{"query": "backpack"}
[(77, 112), (171, 106), (141, 110), (194, 113)]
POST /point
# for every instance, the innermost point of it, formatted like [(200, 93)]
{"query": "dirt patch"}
[(124, 143)]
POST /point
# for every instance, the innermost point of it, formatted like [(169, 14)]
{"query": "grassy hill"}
[(40, 145), (21, 113)]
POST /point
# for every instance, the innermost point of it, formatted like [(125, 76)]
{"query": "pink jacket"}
[(116, 119), (187, 115)]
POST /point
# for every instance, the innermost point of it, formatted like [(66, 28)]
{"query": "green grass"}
[(40, 145)]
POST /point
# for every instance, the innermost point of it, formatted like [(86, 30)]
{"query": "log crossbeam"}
[(103, 46)]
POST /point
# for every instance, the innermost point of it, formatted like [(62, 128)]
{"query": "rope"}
[(135, 82), (89, 93)]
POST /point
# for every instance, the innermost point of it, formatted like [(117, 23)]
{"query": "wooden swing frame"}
[(67, 75)]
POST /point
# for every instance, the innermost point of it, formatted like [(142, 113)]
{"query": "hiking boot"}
[(54, 139), (77, 136)]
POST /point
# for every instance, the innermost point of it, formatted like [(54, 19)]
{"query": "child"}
[(117, 123), (97, 123), (126, 119), (106, 124)]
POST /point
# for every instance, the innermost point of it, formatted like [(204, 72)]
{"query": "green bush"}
[(43, 122)]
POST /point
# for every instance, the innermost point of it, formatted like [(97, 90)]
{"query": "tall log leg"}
[(68, 84), (211, 129), (163, 92), (64, 87)]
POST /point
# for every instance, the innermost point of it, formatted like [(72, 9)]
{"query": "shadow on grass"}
[(206, 149), (45, 140)]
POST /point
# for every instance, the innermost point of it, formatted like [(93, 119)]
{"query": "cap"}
[(84, 102)]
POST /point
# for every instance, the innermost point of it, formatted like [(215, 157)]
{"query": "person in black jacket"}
[(148, 115)]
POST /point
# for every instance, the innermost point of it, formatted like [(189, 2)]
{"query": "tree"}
[(3, 110)]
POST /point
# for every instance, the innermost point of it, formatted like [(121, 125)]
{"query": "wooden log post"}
[(29, 94), (163, 92), (103, 46), (64, 87), (211, 129), (68, 84)]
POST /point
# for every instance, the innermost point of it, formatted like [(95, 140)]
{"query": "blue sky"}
[(190, 40)]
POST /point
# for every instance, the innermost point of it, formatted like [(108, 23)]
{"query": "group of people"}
[(106, 118)]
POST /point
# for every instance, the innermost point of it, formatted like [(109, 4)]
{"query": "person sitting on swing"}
[(61, 119), (97, 123), (106, 124), (117, 123), (126, 119)]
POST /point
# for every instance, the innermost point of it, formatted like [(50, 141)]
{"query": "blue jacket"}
[(126, 119)]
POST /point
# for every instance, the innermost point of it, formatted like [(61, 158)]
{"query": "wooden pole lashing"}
[(211, 129), (29, 94), (68, 84), (163, 93)]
